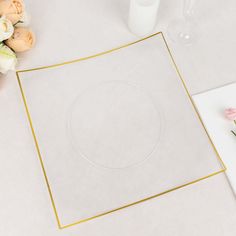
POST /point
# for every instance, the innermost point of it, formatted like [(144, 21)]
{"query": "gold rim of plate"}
[(61, 226)]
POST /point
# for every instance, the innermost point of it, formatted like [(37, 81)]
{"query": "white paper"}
[(211, 106)]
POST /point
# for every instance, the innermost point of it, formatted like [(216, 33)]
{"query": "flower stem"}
[(233, 132), (18, 22)]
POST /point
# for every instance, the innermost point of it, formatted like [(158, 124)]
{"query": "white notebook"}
[(211, 106)]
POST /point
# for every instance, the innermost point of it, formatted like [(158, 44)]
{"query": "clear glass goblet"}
[(184, 30)]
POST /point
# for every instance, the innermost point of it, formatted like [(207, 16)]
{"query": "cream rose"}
[(12, 9), (7, 59), (24, 21), (22, 40), (6, 29)]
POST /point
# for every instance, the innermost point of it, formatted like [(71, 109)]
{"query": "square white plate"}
[(115, 129)]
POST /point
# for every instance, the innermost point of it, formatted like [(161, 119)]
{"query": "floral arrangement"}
[(14, 35), (230, 114)]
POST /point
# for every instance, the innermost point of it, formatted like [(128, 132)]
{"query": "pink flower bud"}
[(230, 113)]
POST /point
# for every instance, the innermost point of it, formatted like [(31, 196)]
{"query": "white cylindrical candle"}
[(142, 16)]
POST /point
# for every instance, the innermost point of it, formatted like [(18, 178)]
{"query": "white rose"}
[(7, 59), (6, 29)]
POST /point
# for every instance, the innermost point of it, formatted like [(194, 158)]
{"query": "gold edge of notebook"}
[(61, 226)]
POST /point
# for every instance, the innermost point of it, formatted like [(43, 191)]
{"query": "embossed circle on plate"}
[(114, 125)]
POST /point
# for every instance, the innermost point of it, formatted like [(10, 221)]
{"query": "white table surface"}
[(206, 208)]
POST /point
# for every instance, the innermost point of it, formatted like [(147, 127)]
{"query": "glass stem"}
[(188, 8)]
